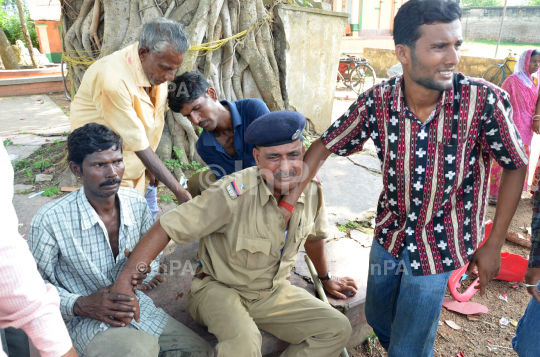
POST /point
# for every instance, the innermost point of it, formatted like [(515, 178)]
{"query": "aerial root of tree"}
[(241, 68)]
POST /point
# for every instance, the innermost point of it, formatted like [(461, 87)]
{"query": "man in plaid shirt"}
[(81, 243), (436, 132)]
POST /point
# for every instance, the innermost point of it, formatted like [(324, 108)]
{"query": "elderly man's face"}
[(101, 172), (160, 68), (281, 166)]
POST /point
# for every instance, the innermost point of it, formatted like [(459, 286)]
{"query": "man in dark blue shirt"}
[(221, 144)]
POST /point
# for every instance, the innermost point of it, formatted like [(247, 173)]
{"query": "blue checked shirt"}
[(71, 247)]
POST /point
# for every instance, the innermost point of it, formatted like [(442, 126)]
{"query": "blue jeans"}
[(403, 309), (151, 198), (525, 342)]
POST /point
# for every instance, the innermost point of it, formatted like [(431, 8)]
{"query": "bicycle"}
[(497, 73), (355, 73)]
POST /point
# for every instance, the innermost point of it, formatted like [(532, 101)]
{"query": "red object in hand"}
[(455, 278), (513, 268), (287, 206)]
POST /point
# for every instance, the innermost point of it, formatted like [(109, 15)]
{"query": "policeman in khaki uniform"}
[(247, 252)]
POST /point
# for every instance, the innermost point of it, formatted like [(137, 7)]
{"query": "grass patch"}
[(8, 142), (51, 191), (176, 163)]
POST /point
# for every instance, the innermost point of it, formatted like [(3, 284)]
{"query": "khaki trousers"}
[(200, 182), (313, 328), (176, 340)]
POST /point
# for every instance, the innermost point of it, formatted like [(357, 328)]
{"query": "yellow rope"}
[(74, 59)]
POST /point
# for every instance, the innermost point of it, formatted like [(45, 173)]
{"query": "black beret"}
[(275, 128)]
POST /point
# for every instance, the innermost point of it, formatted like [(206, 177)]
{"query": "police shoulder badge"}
[(233, 190)]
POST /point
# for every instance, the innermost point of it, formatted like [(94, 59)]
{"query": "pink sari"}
[(523, 92)]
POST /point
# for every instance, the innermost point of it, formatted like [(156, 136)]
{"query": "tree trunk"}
[(22, 16), (7, 53), (242, 68)]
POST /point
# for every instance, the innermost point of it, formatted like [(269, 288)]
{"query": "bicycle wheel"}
[(361, 78), (495, 74)]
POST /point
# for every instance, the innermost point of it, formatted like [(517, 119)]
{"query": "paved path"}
[(35, 114)]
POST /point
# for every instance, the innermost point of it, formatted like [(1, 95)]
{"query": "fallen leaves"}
[(453, 325)]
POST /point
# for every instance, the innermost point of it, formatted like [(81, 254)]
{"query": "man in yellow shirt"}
[(127, 91)]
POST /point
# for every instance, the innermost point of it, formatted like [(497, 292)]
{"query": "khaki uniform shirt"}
[(112, 93), (241, 236)]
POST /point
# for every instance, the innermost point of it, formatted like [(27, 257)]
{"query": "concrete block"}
[(309, 90), (44, 178), (361, 238)]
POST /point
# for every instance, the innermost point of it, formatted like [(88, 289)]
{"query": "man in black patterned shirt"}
[(436, 132)]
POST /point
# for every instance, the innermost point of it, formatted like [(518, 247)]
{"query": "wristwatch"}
[(327, 277)]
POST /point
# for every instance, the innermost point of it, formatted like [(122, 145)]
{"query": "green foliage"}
[(342, 228), (26, 191), (30, 176), (8, 142), (303, 3), (206, 168), (352, 224), (532, 2), (11, 24), (166, 198), (178, 152), (21, 164), (51, 191), (481, 3), (176, 163), (307, 142), (42, 164)]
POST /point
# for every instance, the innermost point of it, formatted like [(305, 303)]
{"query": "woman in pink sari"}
[(524, 93)]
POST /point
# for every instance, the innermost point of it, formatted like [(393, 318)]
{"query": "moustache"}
[(112, 181), (284, 174)]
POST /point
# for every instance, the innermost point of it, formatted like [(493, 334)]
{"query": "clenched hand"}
[(106, 307)]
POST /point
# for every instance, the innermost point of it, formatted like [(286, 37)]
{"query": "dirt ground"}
[(474, 338)]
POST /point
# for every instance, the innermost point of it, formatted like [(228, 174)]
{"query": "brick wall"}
[(521, 23), (31, 88), (382, 59)]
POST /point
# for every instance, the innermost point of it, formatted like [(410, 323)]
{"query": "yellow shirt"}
[(241, 237), (112, 93)]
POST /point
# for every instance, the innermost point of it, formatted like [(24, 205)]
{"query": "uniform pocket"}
[(256, 249)]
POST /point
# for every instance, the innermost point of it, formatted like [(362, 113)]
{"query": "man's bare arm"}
[(152, 162), (487, 258), (148, 248), (313, 160), (334, 286)]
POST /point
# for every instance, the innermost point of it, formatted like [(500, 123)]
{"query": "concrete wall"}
[(308, 63), (521, 23), (382, 59)]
